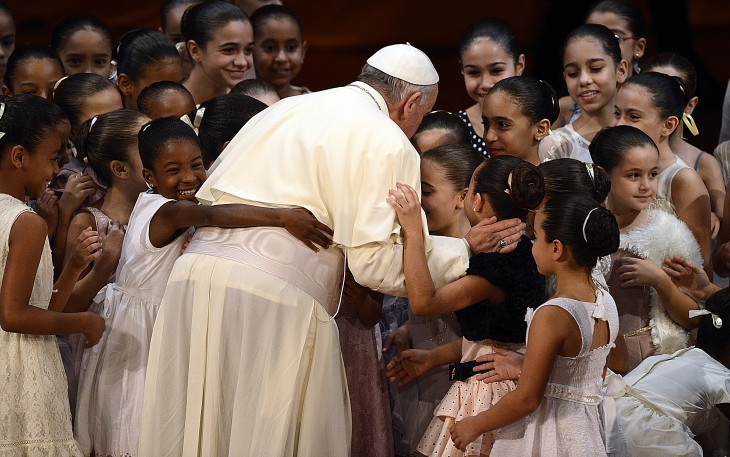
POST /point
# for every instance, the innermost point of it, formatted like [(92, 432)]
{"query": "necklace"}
[(369, 94)]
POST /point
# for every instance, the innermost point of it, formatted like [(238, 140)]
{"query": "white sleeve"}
[(379, 266)]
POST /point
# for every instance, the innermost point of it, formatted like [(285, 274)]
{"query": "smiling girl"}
[(32, 70), (219, 39), (488, 52), (279, 48), (159, 226), (592, 68)]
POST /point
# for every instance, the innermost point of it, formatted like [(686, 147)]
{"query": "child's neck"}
[(626, 218), (574, 283), (10, 187), (202, 88), (118, 203), (667, 157), (588, 124), (530, 155), (458, 229)]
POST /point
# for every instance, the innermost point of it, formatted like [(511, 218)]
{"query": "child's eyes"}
[(653, 174), (74, 62), (596, 69), (100, 62), (503, 125), (473, 74), (571, 74), (496, 71)]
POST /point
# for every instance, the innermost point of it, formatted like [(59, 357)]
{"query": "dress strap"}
[(697, 161)]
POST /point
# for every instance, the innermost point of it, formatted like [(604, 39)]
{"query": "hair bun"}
[(527, 187), (601, 232)]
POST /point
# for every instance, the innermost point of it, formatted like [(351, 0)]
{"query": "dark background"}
[(343, 33)]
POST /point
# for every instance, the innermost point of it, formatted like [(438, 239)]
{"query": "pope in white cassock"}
[(245, 357)]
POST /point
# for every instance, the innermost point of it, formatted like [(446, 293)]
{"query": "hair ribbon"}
[(689, 121), (591, 173), (2, 111), (93, 121), (716, 320)]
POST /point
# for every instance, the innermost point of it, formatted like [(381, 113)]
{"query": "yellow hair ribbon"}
[(689, 121)]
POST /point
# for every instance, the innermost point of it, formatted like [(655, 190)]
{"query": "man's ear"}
[(411, 104)]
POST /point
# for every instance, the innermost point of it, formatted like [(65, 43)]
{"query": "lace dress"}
[(567, 422), (35, 419)]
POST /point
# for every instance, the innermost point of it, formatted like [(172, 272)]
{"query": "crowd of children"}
[(593, 335)]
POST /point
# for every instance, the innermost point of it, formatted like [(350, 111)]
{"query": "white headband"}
[(588, 216)]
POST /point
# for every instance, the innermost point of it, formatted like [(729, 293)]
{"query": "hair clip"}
[(198, 117), (58, 83), (508, 190), (591, 173), (716, 320), (93, 121), (585, 222)]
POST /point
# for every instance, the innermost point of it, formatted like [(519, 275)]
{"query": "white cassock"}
[(245, 359)]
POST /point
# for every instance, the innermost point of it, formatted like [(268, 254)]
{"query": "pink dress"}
[(372, 431)]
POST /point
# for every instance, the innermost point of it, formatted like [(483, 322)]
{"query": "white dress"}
[(663, 198), (564, 143), (670, 398), (35, 419), (113, 372), (568, 421)]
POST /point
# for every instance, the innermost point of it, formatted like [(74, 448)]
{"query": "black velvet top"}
[(524, 287)]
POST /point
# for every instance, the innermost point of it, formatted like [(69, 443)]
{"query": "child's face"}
[(87, 51), (440, 202), (634, 180), (178, 170), (542, 249), (476, 206), (631, 47), (7, 40), (35, 76), (279, 52), (485, 63), (100, 103), (173, 21), (590, 74), (228, 56), (41, 165), (506, 130), (172, 104), (165, 70), (635, 108)]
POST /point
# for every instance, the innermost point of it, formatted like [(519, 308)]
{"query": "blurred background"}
[(342, 34)]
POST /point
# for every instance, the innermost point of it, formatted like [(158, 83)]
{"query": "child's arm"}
[(177, 216), (78, 188), (412, 363), (48, 210), (367, 308), (644, 272), (549, 331), (26, 241), (618, 357), (91, 283), (692, 204), (423, 298)]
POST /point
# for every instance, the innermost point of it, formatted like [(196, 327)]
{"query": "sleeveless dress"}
[(477, 142), (563, 143), (35, 419), (484, 325), (663, 198), (568, 421), (113, 372)]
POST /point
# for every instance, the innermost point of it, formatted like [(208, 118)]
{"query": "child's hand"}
[(400, 337), (354, 293), (86, 249), (500, 365), (306, 228), (48, 210), (408, 365), (404, 201), (639, 272), (689, 276), (94, 329), (111, 248), (78, 188), (464, 432)]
